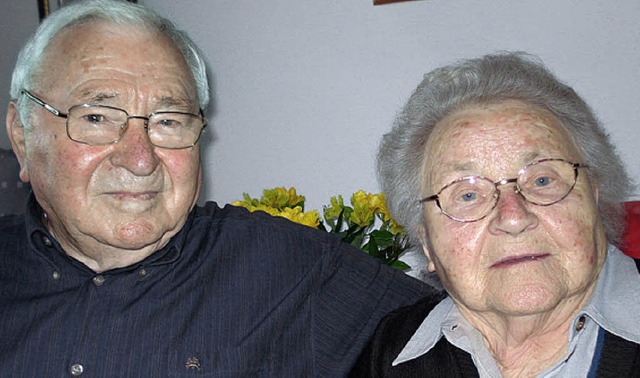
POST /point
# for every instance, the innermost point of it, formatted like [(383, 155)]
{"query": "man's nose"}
[(134, 151)]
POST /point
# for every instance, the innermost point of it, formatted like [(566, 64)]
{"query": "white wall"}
[(304, 89)]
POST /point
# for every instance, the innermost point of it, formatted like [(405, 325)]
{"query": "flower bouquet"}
[(366, 224)]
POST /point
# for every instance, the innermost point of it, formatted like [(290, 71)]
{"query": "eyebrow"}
[(462, 168), (99, 97), (172, 102), (164, 102)]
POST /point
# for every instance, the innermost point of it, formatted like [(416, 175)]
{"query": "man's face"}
[(126, 199)]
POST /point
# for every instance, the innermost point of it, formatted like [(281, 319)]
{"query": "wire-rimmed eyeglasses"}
[(99, 125), (471, 198)]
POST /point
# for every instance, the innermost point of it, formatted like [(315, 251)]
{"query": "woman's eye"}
[(543, 181), (469, 196)]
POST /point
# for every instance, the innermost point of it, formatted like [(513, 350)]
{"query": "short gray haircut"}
[(118, 12), (488, 80)]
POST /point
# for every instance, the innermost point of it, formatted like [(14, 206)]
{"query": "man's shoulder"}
[(238, 221), (11, 225), (12, 238), (230, 231)]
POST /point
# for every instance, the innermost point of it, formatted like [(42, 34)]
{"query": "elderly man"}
[(114, 271)]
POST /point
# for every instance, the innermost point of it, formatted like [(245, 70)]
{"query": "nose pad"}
[(145, 119), (123, 129), (501, 191), (134, 151), (512, 214), (125, 126)]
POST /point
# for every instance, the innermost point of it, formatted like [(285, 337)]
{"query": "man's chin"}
[(135, 234)]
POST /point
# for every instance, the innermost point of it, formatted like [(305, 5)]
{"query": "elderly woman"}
[(509, 183)]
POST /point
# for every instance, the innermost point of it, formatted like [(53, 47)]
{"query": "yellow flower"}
[(281, 198), (240, 204), (310, 218), (383, 210), (333, 211), (359, 223), (365, 207), (247, 202), (267, 209)]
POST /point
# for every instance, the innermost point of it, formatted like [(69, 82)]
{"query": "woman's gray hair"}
[(119, 12), (493, 79)]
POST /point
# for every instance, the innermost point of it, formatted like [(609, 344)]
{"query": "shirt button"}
[(76, 370), (580, 323), (142, 272), (56, 276), (98, 280), (47, 241)]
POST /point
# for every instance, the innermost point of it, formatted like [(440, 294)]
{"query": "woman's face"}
[(522, 258)]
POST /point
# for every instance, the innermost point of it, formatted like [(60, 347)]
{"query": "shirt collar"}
[(614, 306), (615, 303)]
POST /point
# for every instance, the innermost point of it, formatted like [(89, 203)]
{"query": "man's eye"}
[(169, 122), (95, 118)]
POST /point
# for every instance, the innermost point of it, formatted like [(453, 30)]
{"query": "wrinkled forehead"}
[(95, 40), (494, 139)]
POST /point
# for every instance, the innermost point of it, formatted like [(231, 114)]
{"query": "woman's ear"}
[(15, 131), (426, 248)]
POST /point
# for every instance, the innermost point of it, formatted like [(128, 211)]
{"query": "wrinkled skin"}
[(520, 274), (109, 206)]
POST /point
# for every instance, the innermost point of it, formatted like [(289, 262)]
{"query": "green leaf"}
[(399, 265), (384, 239)]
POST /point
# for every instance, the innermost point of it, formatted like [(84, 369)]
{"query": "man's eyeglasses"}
[(472, 198), (98, 125)]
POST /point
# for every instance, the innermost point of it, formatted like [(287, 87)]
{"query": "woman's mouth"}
[(513, 260)]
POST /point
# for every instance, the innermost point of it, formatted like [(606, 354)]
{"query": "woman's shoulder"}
[(396, 328), (408, 318)]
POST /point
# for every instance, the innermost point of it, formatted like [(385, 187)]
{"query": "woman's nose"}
[(512, 215)]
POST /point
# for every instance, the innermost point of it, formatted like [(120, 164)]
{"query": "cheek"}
[(182, 166), (456, 243), (575, 233), (62, 163)]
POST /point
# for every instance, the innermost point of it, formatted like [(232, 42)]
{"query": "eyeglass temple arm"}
[(430, 198), (50, 108)]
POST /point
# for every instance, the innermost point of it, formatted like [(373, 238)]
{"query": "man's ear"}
[(426, 248), (15, 131)]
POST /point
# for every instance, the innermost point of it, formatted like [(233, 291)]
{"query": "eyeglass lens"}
[(100, 125), (541, 183)]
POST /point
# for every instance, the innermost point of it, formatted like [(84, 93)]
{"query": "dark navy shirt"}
[(234, 294)]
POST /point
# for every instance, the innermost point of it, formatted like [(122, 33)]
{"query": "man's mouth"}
[(133, 196)]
